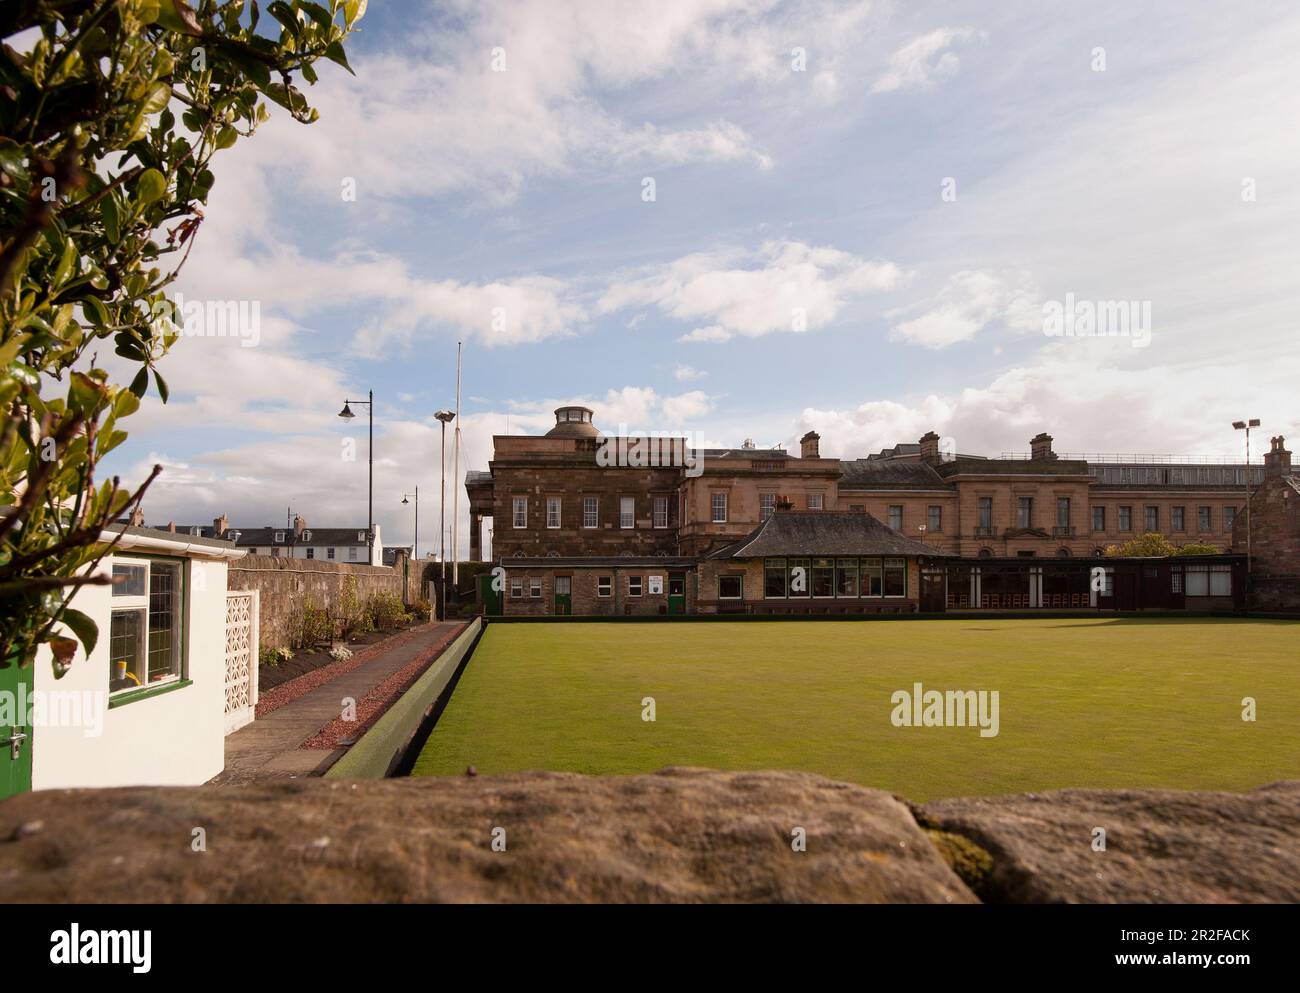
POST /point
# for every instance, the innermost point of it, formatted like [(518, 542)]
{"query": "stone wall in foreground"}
[(699, 836)]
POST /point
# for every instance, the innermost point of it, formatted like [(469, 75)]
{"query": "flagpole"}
[(455, 485)]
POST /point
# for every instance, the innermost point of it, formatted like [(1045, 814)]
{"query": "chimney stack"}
[(930, 448), (171, 526), (809, 446), (783, 502), (299, 525), (220, 525), (1277, 460), (1040, 447), (137, 517)]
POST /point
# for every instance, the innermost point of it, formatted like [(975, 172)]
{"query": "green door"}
[(677, 593), (563, 595), (489, 595), (15, 734)]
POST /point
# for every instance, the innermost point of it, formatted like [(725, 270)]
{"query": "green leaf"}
[(140, 385), (151, 186), (86, 630), (317, 13), (66, 262), (226, 137), (162, 386), (353, 11), (112, 217), (94, 309), (283, 13), (334, 52)]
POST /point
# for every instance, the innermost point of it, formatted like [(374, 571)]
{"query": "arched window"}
[(1063, 553), (986, 553)]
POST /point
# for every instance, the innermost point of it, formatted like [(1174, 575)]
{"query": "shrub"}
[(340, 653), (269, 656), (385, 610), (348, 613)]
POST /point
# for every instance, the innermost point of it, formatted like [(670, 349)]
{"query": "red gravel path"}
[(276, 698), (374, 704)]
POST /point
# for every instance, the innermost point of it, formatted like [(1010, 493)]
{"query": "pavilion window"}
[(823, 577), (846, 577), (872, 577), (985, 511), (774, 579), (895, 577), (800, 582)]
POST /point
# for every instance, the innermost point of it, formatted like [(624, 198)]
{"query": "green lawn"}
[(1086, 702)]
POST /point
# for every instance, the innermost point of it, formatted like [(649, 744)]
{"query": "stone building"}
[(584, 501), (1273, 522)]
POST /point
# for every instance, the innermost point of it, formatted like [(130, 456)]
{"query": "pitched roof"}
[(823, 532), (889, 473), (266, 535)]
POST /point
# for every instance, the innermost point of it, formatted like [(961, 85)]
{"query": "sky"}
[(744, 220)]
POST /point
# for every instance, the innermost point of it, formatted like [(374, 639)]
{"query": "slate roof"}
[(821, 532), (887, 474), (266, 536)]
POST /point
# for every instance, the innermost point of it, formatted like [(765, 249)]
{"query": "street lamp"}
[(406, 498), (346, 414), (446, 417), (1246, 426)]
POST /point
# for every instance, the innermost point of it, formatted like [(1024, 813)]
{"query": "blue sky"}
[(778, 193)]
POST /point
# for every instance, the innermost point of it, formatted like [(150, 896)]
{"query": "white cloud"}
[(783, 286), (968, 302), (686, 373), (921, 62)]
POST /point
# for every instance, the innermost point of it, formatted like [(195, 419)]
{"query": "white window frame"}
[(516, 588), (640, 585), (352, 553), (738, 578), (661, 519), (816, 501), (718, 504), (139, 603), (604, 586), (766, 505), (626, 512), (279, 537), (591, 512), (553, 504), (519, 512), (534, 587)]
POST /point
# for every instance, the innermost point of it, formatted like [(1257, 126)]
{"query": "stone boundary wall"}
[(1275, 593), (287, 583)]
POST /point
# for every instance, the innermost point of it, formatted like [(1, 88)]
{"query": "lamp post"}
[(347, 414), (1246, 426), (446, 417), (406, 498)]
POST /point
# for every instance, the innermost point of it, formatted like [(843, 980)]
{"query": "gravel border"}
[(373, 705)]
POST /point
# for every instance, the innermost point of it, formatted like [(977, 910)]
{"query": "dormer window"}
[(196, 532), (279, 537), (361, 536), (306, 536)]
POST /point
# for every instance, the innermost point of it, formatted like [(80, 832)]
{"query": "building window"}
[(799, 585), (352, 553), (516, 589), (895, 577), (520, 512), (984, 514), (774, 579), (871, 577), (934, 520), (766, 505), (311, 553), (1204, 518), (661, 511), (279, 536), (718, 504), (1152, 518), (604, 586), (823, 577), (563, 585), (1229, 517), (534, 587), (814, 501), (1179, 518), (329, 552), (846, 577), (896, 516), (731, 587), (1175, 580), (1099, 518), (552, 512), (275, 553), (1208, 580), (1126, 518), (1107, 582), (633, 585), (1062, 512), (144, 628), (857, 508), (627, 512), (361, 536), (1025, 512)]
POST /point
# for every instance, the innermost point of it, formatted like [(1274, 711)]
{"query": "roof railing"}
[(1113, 458)]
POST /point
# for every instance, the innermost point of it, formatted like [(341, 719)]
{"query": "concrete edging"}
[(377, 751)]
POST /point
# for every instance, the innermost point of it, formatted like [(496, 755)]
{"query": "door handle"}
[(15, 742)]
